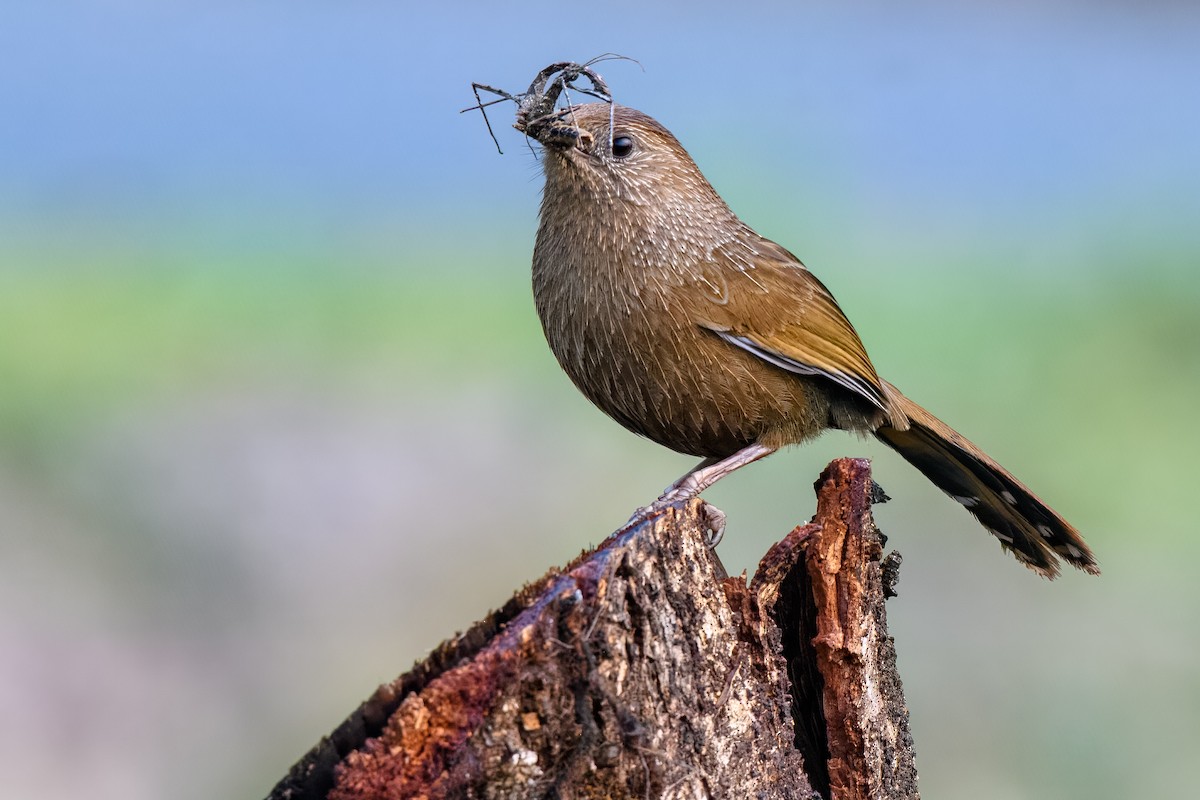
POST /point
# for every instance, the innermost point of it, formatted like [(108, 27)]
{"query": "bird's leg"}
[(705, 464), (709, 471), (696, 480)]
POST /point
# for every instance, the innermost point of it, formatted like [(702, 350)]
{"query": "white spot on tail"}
[(967, 502), (1008, 498), (1074, 551), (1004, 537), (1045, 531)]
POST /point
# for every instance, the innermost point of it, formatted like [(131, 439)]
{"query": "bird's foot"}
[(712, 517), (714, 523), (646, 513)]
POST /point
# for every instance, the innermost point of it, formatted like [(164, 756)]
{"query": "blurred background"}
[(276, 415)]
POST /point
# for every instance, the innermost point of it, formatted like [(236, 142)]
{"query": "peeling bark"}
[(642, 670)]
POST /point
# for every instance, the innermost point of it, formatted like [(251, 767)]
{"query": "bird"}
[(687, 327)]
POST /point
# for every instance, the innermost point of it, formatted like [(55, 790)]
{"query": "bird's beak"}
[(555, 130)]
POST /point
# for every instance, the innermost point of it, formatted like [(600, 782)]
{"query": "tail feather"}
[(1025, 526)]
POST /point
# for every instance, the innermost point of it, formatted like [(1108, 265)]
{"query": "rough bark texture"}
[(642, 670)]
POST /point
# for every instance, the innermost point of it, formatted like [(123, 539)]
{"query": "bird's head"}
[(616, 153)]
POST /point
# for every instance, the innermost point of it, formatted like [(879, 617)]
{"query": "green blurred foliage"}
[(1084, 386)]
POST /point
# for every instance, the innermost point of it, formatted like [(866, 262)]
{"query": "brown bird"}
[(687, 327)]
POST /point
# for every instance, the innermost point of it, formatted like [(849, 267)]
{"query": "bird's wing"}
[(767, 303)]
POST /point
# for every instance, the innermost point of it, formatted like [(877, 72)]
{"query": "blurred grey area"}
[(276, 416)]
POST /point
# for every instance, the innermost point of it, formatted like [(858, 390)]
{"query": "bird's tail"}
[(1025, 525)]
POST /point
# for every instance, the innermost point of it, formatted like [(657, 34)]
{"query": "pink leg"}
[(702, 476), (709, 471), (708, 462)]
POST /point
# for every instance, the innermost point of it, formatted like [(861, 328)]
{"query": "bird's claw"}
[(712, 517), (714, 522)]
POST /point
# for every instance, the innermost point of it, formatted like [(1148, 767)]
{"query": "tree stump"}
[(641, 670)]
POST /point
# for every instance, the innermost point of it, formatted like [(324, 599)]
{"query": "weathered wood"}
[(642, 670), (870, 747)]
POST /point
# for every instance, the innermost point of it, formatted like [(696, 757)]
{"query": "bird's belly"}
[(684, 387)]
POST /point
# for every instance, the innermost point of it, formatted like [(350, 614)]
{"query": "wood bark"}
[(641, 670)]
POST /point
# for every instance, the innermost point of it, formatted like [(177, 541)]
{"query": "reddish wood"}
[(642, 670)]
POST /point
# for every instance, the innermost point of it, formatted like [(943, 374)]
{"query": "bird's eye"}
[(622, 146)]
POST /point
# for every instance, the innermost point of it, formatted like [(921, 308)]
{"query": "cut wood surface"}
[(641, 670)]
